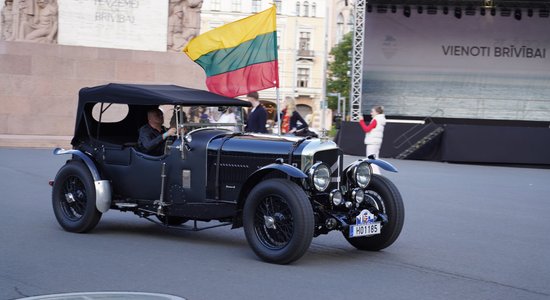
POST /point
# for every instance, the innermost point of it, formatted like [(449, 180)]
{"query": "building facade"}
[(341, 20), (301, 48)]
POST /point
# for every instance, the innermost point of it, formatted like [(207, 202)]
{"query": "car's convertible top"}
[(145, 94), (139, 98)]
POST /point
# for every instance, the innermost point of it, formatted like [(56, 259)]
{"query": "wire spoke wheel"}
[(73, 198), (74, 204), (383, 196), (278, 221), (273, 222)]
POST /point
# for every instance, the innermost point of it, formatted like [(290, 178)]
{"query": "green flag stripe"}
[(258, 50)]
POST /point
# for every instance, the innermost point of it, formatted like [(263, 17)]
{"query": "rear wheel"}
[(384, 196), (73, 198), (278, 221)]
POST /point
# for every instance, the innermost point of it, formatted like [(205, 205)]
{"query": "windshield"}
[(194, 117)]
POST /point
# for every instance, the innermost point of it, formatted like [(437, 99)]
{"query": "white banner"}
[(124, 24), (480, 67)]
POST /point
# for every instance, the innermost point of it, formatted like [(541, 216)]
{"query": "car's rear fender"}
[(102, 187), (254, 178)]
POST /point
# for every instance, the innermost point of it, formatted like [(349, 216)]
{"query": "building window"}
[(306, 9), (314, 9), (339, 28), (279, 5), (303, 77), (236, 5), (305, 40), (256, 4), (298, 8), (215, 4)]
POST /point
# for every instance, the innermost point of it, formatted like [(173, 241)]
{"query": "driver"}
[(152, 136)]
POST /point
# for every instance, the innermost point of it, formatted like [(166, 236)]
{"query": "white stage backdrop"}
[(128, 24), (480, 67)]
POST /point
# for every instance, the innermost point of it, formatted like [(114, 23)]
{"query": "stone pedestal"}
[(39, 83)]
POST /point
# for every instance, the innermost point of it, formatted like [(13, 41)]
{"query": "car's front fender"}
[(285, 168), (102, 187), (259, 174), (383, 164)]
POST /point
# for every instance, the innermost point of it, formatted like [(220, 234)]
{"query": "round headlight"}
[(319, 175), (336, 197), (362, 174), (358, 195)]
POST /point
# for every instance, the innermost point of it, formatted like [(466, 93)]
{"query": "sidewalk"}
[(34, 141)]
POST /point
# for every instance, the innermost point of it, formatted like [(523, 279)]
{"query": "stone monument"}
[(38, 21), (6, 21), (29, 20), (183, 22)]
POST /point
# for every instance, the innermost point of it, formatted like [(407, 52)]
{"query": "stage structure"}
[(463, 69), (357, 60)]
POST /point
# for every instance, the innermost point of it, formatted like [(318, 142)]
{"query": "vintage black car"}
[(283, 190)]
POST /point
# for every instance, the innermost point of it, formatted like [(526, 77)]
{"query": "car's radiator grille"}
[(334, 158)]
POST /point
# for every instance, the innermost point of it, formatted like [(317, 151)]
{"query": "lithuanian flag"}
[(239, 57)]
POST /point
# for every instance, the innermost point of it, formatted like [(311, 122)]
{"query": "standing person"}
[(374, 133), (257, 117), (228, 116), (292, 121)]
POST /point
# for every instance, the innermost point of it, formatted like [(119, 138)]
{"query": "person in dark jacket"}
[(152, 136), (292, 120), (257, 117)]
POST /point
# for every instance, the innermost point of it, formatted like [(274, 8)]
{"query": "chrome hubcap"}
[(269, 222)]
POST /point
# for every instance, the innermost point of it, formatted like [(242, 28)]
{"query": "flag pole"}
[(278, 111), (279, 125)]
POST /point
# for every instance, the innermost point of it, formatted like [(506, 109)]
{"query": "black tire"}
[(78, 212), (291, 217), (389, 200), (172, 220)]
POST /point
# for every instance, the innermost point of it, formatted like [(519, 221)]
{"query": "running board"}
[(126, 205), (188, 228)]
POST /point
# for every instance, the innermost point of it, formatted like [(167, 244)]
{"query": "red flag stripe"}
[(239, 82)]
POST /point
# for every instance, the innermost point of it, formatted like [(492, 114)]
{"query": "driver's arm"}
[(147, 140)]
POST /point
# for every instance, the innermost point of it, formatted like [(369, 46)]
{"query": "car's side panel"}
[(140, 179), (240, 156)]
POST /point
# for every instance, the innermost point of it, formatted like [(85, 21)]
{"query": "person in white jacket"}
[(228, 116), (374, 133)]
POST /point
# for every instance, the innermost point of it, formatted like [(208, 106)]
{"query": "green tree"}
[(338, 80)]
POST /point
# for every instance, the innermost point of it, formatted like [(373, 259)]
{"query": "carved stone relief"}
[(29, 20), (183, 22), (37, 21)]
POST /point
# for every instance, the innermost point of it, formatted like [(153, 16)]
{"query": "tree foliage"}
[(339, 80)]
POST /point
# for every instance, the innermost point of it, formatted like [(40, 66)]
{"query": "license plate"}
[(364, 229)]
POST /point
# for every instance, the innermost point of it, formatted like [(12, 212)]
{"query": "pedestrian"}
[(228, 116), (374, 133), (257, 117), (292, 121)]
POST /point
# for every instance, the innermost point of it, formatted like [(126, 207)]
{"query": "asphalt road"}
[(471, 232)]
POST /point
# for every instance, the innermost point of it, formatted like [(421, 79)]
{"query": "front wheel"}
[(384, 196), (278, 221), (73, 198)]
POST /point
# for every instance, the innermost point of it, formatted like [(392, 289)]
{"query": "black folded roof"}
[(144, 94)]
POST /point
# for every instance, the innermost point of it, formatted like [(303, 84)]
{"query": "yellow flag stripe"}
[(232, 34)]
